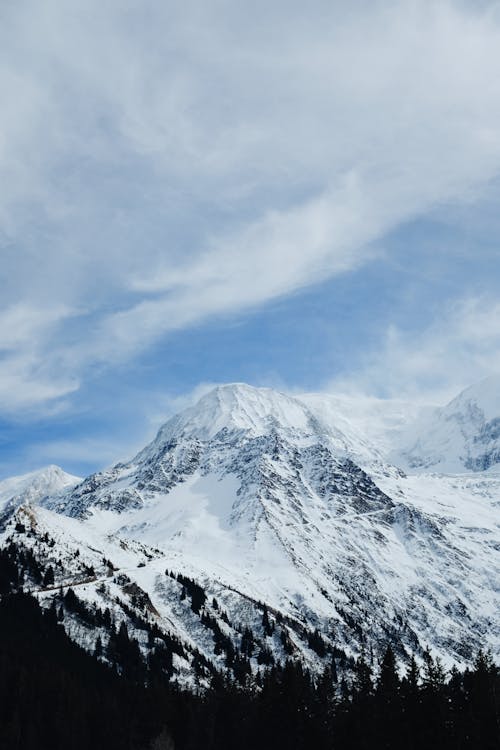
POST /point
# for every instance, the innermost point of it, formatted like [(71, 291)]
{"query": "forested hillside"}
[(55, 696)]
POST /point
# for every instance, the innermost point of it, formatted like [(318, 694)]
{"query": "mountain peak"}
[(34, 486), (484, 396), (462, 436), (238, 407)]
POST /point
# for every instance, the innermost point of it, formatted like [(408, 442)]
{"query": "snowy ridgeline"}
[(259, 526)]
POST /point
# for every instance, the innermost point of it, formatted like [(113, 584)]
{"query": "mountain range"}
[(259, 526)]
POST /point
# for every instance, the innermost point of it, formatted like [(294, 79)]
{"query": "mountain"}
[(33, 487), (462, 436), (258, 526)]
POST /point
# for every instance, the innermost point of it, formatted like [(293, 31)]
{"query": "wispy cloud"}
[(460, 348), (26, 333), (164, 163)]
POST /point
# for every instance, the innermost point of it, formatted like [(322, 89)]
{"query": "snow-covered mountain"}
[(257, 511), (462, 436), (33, 487)]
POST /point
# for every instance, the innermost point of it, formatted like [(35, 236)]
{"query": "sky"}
[(297, 195)]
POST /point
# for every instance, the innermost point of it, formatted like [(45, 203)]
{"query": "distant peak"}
[(36, 484), (485, 395), (52, 471)]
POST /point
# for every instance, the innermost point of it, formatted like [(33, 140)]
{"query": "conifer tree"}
[(48, 578), (266, 623), (388, 681)]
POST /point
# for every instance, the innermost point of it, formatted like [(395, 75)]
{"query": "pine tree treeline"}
[(53, 695)]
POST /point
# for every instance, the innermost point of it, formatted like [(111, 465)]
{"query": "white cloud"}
[(25, 379), (164, 163), (23, 324), (82, 450), (25, 385), (460, 348)]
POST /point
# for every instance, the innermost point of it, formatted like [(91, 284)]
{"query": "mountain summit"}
[(238, 407)]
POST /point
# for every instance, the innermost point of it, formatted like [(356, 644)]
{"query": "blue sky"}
[(304, 198)]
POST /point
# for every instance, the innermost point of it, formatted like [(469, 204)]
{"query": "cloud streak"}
[(162, 165), (460, 348)]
